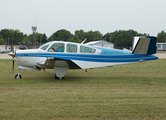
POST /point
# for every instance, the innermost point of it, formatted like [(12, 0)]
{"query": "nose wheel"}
[(18, 76)]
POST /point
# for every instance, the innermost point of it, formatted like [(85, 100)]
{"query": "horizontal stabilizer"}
[(144, 45)]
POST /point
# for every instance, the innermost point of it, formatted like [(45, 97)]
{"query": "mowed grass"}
[(134, 91)]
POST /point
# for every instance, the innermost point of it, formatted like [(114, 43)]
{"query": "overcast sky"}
[(143, 16)]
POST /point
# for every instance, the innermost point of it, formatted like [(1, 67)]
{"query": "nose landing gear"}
[(18, 76)]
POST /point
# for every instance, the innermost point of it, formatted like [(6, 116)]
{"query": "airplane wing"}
[(52, 62)]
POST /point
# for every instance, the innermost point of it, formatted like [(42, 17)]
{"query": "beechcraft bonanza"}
[(61, 56)]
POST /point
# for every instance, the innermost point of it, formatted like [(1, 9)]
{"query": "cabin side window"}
[(71, 48), (57, 47), (84, 49)]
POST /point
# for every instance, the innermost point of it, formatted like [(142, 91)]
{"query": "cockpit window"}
[(84, 49), (57, 47), (71, 48), (45, 46)]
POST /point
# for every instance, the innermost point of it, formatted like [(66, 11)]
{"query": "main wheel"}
[(18, 76), (58, 78)]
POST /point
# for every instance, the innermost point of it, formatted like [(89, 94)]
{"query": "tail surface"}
[(144, 45)]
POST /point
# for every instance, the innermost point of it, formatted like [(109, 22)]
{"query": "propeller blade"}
[(13, 66), (13, 54)]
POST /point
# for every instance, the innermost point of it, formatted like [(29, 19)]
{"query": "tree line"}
[(120, 38)]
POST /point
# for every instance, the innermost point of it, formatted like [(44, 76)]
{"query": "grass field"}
[(134, 91)]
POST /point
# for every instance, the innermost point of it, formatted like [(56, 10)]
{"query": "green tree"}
[(107, 37), (7, 34), (93, 35), (30, 37), (124, 38), (90, 35), (14, 36), (18, 36), (1, 36), (75, 38), (161, 37), (44, 38), (39, 36), (81, 34), (26, 41), (2, 41), (60, 35)]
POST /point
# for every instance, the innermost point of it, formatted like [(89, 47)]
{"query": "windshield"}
[(45, 46)]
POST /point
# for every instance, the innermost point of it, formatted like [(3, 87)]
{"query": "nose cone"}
[(12, 54)]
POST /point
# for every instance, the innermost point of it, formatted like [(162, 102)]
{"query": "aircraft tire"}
[(18, 76), (58, 78)]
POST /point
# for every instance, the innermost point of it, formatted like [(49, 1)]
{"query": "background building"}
[(101, 43), (161, 46)]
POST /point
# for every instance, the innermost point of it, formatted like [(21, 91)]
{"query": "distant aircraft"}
[(4, 51), (61, 56)]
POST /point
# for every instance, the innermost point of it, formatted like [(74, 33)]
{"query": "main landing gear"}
[(60, 72), (58, 78)]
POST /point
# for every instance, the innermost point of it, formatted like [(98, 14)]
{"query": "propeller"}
[(13, 66), (13, 54)]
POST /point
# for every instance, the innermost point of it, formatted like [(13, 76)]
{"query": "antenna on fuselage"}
[(84, 41)]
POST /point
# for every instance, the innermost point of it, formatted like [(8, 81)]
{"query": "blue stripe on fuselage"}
[(92, 57)]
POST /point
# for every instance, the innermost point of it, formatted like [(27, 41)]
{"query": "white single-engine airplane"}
[(61, 56)]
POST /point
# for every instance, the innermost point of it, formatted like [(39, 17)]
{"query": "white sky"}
[(143, 16)]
